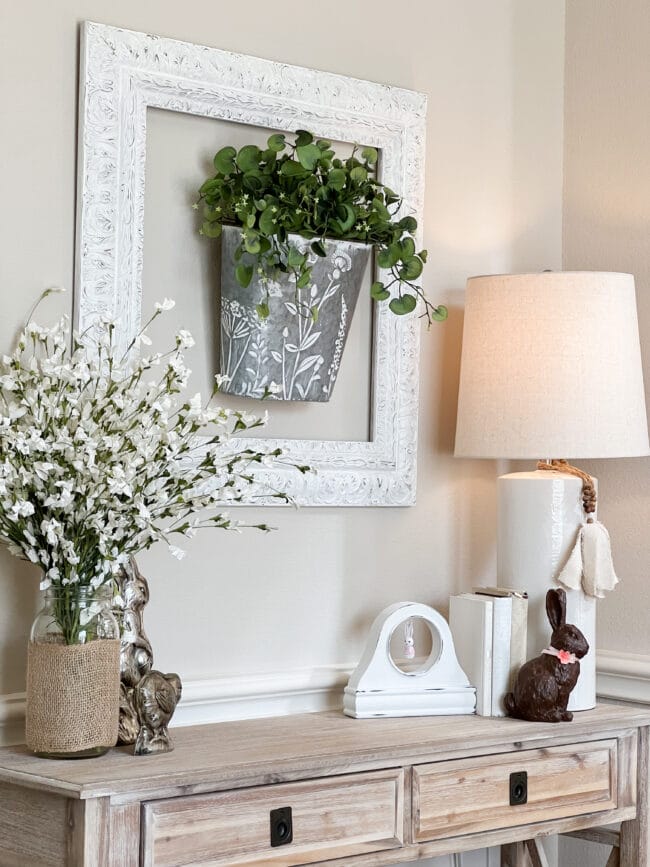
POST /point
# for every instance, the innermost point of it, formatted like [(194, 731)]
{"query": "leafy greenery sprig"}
[(303, 188)]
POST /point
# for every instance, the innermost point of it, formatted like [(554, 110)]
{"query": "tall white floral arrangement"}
[(101, 456)]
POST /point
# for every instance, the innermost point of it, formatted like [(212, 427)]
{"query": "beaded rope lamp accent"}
[(551, 366)]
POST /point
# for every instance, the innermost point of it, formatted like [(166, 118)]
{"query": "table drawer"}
[(472, 795), (331, 818)]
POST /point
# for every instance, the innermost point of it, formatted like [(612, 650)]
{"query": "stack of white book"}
[(489, 630)]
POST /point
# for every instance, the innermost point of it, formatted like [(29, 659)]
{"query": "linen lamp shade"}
[(551, 368)]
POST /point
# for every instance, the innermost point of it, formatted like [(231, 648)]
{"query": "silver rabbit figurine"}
[(148, 698)]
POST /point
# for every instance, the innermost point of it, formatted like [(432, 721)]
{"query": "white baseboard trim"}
[(621, 676), (231, 697), (12, 718), (12, 708), (303, 690)]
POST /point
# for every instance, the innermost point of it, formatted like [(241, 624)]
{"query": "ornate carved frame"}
[(122, 74)]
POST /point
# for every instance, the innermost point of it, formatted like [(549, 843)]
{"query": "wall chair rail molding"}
[(124, 73)]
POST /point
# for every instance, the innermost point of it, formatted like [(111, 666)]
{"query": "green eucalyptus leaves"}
[(305, 189)]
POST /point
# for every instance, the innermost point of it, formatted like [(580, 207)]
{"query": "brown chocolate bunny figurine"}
[(544, 684)]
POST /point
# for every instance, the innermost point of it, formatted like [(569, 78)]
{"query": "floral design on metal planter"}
[(288, 349)]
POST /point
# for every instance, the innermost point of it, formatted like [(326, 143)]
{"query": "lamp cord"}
[(589, 496)]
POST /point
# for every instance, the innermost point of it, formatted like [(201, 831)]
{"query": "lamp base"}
[(539, 514)]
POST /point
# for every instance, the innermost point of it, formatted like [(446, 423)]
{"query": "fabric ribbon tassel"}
[(590, 564)]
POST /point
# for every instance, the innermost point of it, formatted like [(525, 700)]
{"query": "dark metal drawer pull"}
[(281, 826), (518, 788)]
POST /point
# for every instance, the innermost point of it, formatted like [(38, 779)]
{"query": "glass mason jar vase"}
[(73, 674)]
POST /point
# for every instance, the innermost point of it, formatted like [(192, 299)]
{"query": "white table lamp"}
[(551, 369)]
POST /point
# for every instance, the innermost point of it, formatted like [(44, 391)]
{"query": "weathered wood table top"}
[(124, 810), (280, 748)]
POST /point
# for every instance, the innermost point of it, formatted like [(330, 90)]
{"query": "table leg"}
[(514, 855), (614, 859), (635, 835), (536, 853), (89, 832)]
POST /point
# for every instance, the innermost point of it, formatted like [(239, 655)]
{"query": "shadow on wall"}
[(18, 603), (446, 392), (472, 493)]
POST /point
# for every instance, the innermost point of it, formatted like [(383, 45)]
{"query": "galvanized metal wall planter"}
[(290, 350)]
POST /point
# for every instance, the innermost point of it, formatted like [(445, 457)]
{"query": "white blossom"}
[(179, 553), (8, 382), (184, 339), (97, 463), (21, 509), (165, 305)]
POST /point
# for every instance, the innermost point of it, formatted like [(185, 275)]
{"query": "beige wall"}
[(305, 595), (607, 227)]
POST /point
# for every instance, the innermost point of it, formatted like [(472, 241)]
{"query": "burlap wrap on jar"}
[(73, 694)]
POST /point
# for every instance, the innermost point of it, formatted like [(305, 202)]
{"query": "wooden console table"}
[(321, 787)]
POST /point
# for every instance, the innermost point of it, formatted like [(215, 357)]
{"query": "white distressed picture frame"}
[(122, 74)]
